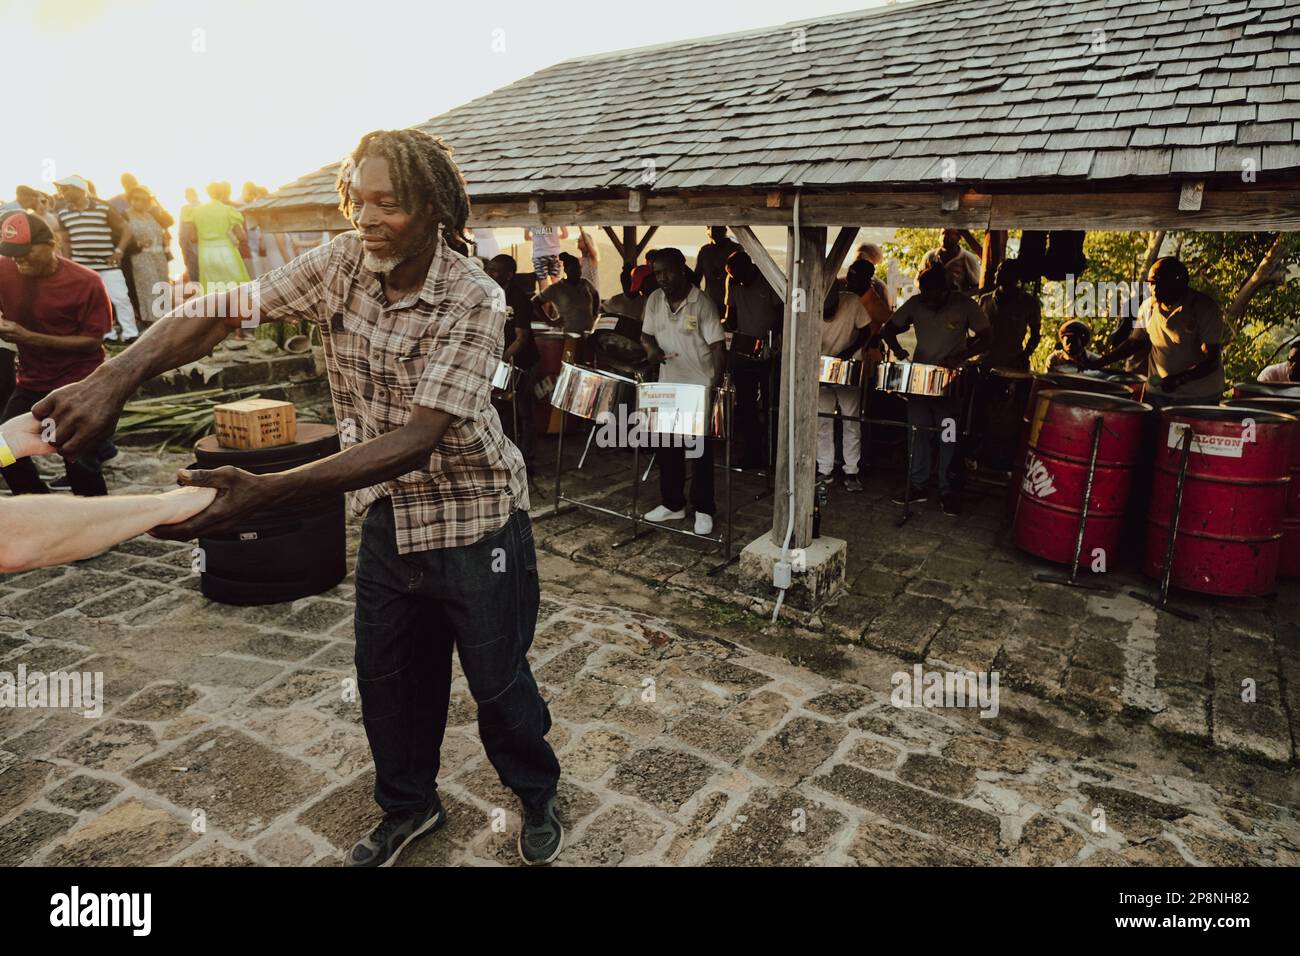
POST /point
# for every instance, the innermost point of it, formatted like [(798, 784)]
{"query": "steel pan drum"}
[(589, 394), (616, 339), (1055, 473), (503, 379), (672, 408), (1134, 382), (1288, 565), (914, 378), (838, 371), (1230, 519), (1266, 390)]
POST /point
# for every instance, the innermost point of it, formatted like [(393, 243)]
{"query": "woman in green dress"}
[(218, 228)]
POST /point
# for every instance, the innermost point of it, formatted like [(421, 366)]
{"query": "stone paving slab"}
[(691, 731), (955, 594)]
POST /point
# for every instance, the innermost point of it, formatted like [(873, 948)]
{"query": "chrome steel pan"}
[(671, 408), (838, 371), (589, 394), (914, 378)]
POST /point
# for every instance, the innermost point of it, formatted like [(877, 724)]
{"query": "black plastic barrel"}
[(280, 554)]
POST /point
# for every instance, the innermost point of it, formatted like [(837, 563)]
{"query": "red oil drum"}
[(1288, 565), (1266, 390), (1051, 380), (1055, 474), (1229, 536)]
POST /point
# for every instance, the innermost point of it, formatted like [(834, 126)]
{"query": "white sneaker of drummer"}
[(664, 513), (703, 523)]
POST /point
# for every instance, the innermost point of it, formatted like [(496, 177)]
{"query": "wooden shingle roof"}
[(982, 91)]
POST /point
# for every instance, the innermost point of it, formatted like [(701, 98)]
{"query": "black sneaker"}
[(852, 483), (542, 835), (950, 504), (914, 495), (384, 843)]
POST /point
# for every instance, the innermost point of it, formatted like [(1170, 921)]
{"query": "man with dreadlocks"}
[(412, 330)]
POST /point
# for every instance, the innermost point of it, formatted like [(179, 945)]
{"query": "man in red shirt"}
[(57, 314)]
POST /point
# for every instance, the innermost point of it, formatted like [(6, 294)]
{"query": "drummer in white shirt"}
[(682, 330), (846, 329), (1284, 373), (944, 319)]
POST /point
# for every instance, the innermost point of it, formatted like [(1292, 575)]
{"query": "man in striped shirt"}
[(95, 235)]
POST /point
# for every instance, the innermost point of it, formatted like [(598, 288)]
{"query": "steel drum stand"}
[(1161, 602), (1073, 580), (575, 503), (724, 540)]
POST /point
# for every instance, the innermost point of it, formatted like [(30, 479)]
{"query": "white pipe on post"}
[(793, 292)]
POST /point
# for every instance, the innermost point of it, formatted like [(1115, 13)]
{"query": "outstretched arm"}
[(40, 530)]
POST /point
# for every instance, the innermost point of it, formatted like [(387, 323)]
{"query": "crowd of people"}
[(687, 314)]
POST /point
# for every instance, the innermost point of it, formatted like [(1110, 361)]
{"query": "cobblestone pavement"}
[(690, 730)]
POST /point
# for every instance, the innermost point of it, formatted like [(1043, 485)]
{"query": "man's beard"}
[(386, 264)]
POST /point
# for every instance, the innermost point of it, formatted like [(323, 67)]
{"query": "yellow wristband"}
[(6, 454)]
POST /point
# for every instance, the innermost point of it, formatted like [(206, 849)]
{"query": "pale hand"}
[(23, 435), (187, 502)]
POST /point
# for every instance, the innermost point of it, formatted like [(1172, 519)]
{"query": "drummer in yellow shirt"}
[(1182, 332), (944, 320)]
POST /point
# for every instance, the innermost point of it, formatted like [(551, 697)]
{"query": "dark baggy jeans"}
[(411, 609), (84, 475)]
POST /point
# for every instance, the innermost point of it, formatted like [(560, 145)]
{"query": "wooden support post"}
[(800, 370), (762, 258), (994, 252), (1191, 196)]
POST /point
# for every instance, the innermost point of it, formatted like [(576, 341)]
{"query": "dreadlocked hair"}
[(422, 171)]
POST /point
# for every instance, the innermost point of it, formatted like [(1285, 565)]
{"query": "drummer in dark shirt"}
[(944, 320), (1013, 314), (753, 314), (519, 347)]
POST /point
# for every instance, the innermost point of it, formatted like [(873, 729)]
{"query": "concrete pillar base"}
[(818, 571)]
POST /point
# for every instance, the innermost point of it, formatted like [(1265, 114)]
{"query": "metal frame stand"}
[(725, 539), (575, 503), (1073, 580), (1161, 602)]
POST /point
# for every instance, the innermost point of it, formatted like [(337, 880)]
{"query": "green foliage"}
[(905, 251), (1220, 264)]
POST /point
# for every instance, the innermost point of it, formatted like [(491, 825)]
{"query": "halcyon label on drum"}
[(1038, 480), (1225, 446)]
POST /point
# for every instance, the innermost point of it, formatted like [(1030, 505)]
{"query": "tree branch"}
[(1268, 269)]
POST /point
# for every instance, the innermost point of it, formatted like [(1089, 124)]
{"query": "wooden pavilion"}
[(991, 114)]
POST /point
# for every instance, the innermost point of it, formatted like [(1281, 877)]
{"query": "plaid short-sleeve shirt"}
[(437, 347)]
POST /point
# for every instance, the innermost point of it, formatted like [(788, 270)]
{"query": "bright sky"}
[(183, 92)]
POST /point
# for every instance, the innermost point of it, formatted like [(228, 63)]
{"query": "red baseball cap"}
[(639, 275), (20, 231)]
